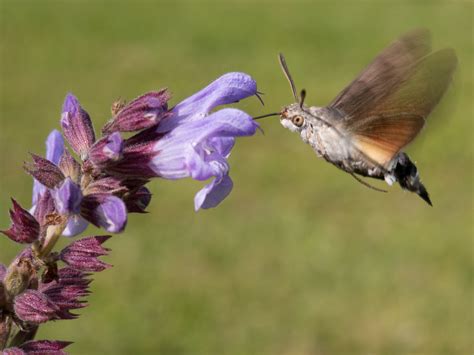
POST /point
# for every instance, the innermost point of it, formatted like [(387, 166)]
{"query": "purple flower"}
[(95, 204), (197, 144), (199, 149), (77, 126), (25, 228), (193, 143)]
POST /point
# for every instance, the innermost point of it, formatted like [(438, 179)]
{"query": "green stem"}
[(23, 336)]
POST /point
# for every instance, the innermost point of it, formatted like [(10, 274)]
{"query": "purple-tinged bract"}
[(24, 228), (38, 347), (83, 254), (50, 347), (43, 170)]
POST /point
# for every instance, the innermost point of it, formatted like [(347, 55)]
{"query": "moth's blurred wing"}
[(384, 137), (383, 130), (386, 72)]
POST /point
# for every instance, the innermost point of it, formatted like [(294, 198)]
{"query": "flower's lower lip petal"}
[(75, 225), (212, 194), (178, 152), (228, 88), (203, 165)]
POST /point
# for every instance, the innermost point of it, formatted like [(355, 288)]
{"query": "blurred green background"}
[(300, 259)]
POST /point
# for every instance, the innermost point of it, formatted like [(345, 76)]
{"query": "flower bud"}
[(41, 347), (138, 200), (18, 276), (35, 307), (77, 126), (107, 150), (143, 112)]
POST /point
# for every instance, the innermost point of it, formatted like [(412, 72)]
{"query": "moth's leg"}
[(366, 184)]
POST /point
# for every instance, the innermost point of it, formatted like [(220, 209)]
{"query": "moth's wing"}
[(386, 127), (386, 72)]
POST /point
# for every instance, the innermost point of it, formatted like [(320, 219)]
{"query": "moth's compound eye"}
[(297, 120)]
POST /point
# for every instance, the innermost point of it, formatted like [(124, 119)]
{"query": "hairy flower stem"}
[(5, 327)]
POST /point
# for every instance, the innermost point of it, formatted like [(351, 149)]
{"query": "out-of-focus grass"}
[(300, 259)]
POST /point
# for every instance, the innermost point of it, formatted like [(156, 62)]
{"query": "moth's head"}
[(293, 117)]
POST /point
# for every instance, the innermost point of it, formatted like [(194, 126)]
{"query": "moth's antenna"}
[(302, 97), (267, 115), (284, 67)]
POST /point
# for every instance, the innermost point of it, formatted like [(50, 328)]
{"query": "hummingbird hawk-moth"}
[(364, 129)]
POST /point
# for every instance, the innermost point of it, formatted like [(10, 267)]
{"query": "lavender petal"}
[(228, 88), (178, 149), (213, 194)]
